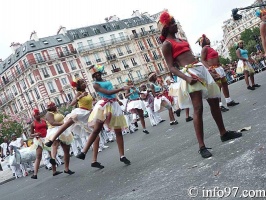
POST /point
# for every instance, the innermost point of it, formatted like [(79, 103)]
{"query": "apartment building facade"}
[(41, 69), (232, 29)]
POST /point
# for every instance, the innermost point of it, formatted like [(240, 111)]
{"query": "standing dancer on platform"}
[(54, 120), (77, 120), (210, 59), (106, 111), (38, 131), (159, 99), (135, 105), (195, 81), (244, 67), (172, 91)]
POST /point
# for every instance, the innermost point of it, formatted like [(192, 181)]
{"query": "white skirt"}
[(80, 117), (66, 137), (244, 66), (135, 104), (220, 71), (158, 103)]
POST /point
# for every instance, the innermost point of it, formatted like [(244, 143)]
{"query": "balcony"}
[(88, 48), (147, 60), (116, 70), (143, 33), (121, 54), (111, 57), (98, 60), (134, 64), (129, 51), (88, 63), (134, 36), (126, 66), (46, 75), (52, 91)]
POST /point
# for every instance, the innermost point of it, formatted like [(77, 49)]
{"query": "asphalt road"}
[(166, 163)]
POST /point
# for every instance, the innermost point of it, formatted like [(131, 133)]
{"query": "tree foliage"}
[(223, 60), (10, 124), (248, 36)]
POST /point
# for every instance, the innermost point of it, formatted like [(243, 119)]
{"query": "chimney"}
[(112, 18), (61, 30), (14, 46), (136, 13), (34, 36)]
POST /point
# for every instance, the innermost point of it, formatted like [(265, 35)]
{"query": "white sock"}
[(228, 100), (134, 116), (220, 104)]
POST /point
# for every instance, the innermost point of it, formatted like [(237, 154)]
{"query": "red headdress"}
[(201, 39), (74, 82), (35, 111), (164, 21), (50, 105)]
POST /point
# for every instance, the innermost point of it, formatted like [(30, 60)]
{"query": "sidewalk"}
[(6, 176)]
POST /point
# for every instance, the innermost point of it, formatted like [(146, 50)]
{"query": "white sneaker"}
[(105, 147), (100, 150)]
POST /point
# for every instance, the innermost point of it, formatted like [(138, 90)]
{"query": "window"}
[(96, 30), (84, 32), (130, 76), (23, 85), (63, 81), (45, 73), (141, 45), (116, 26), (18, 69), (107, 28), (42, 107), (155, 55), (45, 42), (38, 57), (59, 39), (51, 87), (87, 60), (57, 101), (65, 50), (160, 67), (151, 68), (119, 79), (14, 89), (133, 61), (113, 39), (90, 43), (139, 74), (121, 35), (69, 97), (59, 69), (146, 58), (30, 78), (80, 46), (9, 61), (128, 49), (149, 42), (97, 57), (14, 108), (17, 54), (124, 62), (113, 66), (120, 53), (74, 35), (102, 41), (36, 93), (20, 105), (24, 48), (32, 45), (26, 65), (72, 65)]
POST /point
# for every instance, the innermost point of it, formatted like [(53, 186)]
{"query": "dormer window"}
[(4, 65), (17, 54), (96, 30), (84, 32), (45, 42), (9, 61), (32, 44), (24, 48), (107, 28), (59, 39)]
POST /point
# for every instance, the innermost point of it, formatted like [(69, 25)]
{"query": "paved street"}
[(166, 163)]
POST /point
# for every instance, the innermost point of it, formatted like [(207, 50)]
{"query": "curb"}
[(6, 181)]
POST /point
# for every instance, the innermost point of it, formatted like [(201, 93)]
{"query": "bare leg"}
[(187, 112), (120, 141), (225, 89), (96, 130), (246, 73), (95, 149), (216, 114), (54, 152), (38, 160), (141, 116), (66, 149), (196, 98), (252, 79)]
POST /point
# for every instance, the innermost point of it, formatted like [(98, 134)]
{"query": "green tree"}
[(232, 53), (10, 124), (223, 60)]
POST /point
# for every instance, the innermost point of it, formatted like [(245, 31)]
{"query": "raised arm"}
[(98, 88)]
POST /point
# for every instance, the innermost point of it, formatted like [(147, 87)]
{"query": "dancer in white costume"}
[(172, 92), (135, 105), (77, 120), (159, 99), (54, 120)]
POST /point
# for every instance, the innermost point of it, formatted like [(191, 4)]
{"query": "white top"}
[(4, 147), (16, 143)]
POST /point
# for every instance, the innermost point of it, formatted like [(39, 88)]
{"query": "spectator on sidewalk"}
[(4, 149)]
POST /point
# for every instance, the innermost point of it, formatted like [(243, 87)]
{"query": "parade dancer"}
[(159, 99), (54, 120), (210, 59), (262, 15), (195, 81), (172, 91), (135, 105), (77, 120), (106, 111), (38, 132), (148, 100), (243, 65)]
